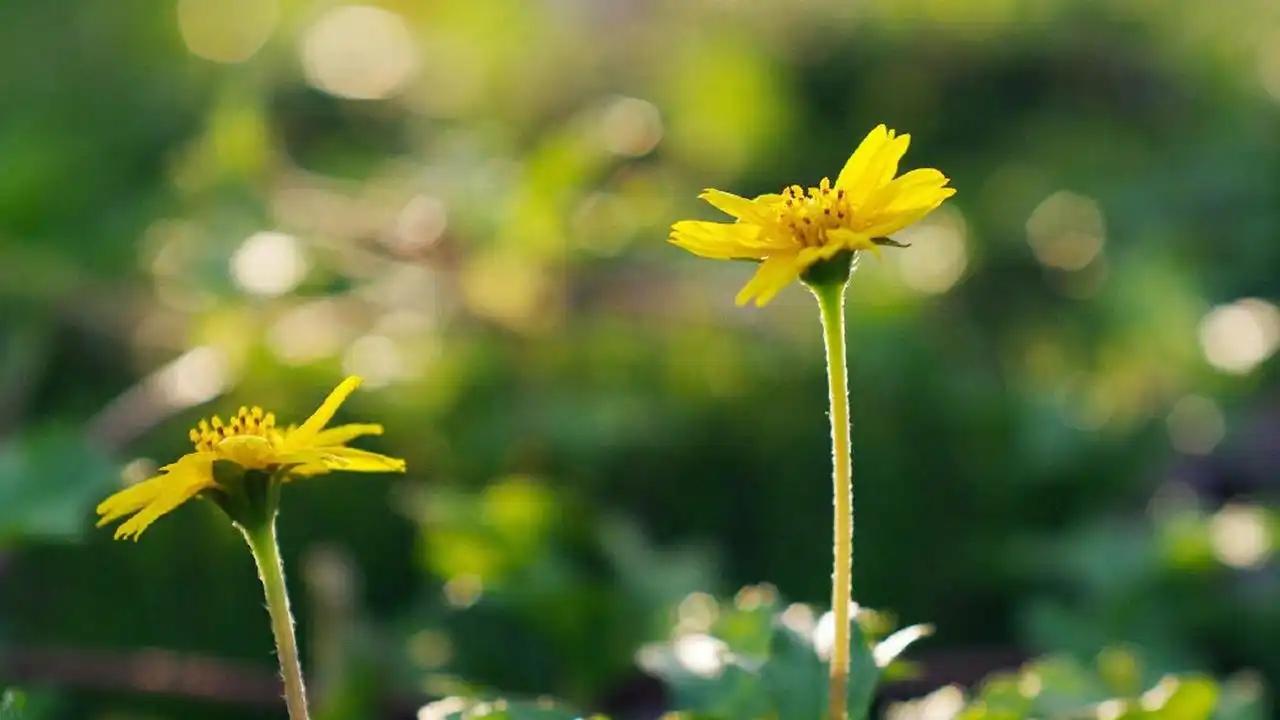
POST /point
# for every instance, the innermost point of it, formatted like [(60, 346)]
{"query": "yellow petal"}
[(339, 457), (890, 224), (880, 171), (185, 479), (856, 166), (725, 241), (739, 207), (918, 188), (135, 497), (344, 434), (772, 275), (305, 471), (306, 432), (131, 499)]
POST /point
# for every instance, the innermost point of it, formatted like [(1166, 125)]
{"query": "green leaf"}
[(864, 674), (1194, 698), (795, 677), (20, 705), (50, 479), (13, 704)]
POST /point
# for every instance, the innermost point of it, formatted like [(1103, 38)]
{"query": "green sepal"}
[(249, 497), (833, 272)]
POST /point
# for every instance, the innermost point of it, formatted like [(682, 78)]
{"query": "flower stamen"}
[(206, 435), (810, 212)]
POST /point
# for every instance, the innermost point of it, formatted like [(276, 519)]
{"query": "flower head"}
[(789, 232), (250, 440)]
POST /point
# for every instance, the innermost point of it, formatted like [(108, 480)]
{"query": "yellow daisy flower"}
[(789, 232), (252, 441)]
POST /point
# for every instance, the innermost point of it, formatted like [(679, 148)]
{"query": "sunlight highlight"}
[(376, 358), (701, 654), (943, 256), (269, 264), (630, 127), (309, 332), (1240, 535), (195, 377), (1066, 231), (226, 31), (945, 703), (359, 52), (463, 591), (697, 613), (1238, 337), (824, 633), (420, 224)]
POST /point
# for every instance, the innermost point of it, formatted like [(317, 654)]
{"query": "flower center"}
[(248, 421), (809, 214)]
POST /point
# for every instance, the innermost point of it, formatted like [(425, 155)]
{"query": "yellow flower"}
[(252, 441), (792, 230)]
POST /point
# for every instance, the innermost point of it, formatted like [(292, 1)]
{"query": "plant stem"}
[(266, 553), (831, 304)]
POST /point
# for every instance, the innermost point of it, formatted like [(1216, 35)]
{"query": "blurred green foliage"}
[(1064, 418), (759, 661), (753, 660), (72, 478), (1057, 687)]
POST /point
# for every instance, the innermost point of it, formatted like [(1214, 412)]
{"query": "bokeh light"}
[(1241, 535), (945, 703), (938, 256), (226, 31), (1196, 425), (1237, 337), (376, 358), (419, 225), (196, 376), (360, 52), (269, 263), (309, 332), (630, 127), (1066, 231), (467, 202)]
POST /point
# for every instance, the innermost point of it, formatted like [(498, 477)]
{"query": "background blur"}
[(1065, 396)]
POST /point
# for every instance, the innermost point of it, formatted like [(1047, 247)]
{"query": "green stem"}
[(266, 553), (831, 304)]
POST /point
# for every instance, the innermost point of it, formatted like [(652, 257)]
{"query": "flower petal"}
[(725, 241), (906, 200), (340, 457), (868, 170), (739, 207), (344, 434), (137, 496), (131, 499), (184, 480), (856, 166), (305, 433), (889, 224), (880, 171), (772, 275), (918, 188)]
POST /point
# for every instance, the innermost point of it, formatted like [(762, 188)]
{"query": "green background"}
[(1061, 442)]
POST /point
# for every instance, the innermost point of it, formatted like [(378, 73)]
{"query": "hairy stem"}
[(266, 553), (831, 303)]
